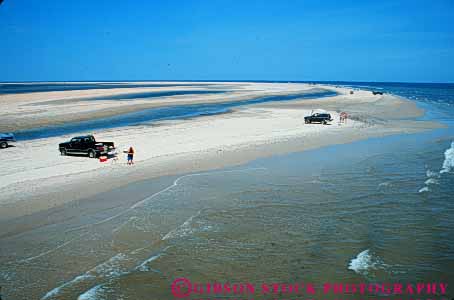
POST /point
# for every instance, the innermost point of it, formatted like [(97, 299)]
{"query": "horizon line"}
[(224, 80)]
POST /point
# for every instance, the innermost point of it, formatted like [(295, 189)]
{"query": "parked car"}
[(5, 138), (322, 118), (85, 145)]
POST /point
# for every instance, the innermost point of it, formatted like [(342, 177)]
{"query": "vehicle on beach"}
[(377, 93), (85, 145), (5, 138), (318, 117)]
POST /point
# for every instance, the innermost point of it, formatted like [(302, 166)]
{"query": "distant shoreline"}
[(225, 80)]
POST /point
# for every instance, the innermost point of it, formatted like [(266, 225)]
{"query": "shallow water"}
[(133, 96), (158, 114), (347, 213), (378, 210), (156, 94), (18, 88)]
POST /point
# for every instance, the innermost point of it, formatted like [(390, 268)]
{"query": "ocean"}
[(373, 211)]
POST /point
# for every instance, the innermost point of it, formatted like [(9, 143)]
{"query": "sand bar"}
[(35, 177)]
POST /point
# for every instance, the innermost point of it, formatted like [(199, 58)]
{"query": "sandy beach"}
[(36, 178), (281, 150), (203, 189), (29, 110), (226, 150)]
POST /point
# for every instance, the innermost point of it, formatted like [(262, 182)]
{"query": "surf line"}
[(174, 184), (26, 260)]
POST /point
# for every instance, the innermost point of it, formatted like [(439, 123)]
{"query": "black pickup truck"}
[(5, 138), (86, 145), (323, 118)]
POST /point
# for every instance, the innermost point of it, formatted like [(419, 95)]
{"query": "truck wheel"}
[(91, 154), (324, 122), (3, 145), (62, 152)]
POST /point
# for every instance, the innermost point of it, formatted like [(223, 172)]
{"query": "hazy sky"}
[(237, 40)]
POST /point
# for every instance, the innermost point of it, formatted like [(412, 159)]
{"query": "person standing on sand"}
[(131, 156)]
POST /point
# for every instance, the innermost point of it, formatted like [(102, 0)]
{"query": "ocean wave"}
[(122, 264), (385, 184), (97, 292), (365, 262), (143, 267), (182, 230), (92, 294), (56, 291), (424, 189), (108, 269), (431, 181), (448, 163), (5, 276), (432, 174), (448, 166)]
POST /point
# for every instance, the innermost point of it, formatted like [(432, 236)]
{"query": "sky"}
[(391, 41)]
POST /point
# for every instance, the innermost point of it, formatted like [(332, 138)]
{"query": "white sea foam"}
[(182, 230), (448, 163), (108, 269), (365, 262), (424, 189), (143, 266), (95, 293), (5, 276), (27, 260), (385, 184), (113, 266), (431, 181), (145, 200), (53, 293), (361, 263), (92, 294), (432, 174), (448, 166)]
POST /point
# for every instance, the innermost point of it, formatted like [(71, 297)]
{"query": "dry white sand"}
[(35, 177)]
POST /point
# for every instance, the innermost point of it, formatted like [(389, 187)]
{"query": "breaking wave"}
[(92, 293), (365, 262), (424, 189), (448, 166), (448, 163), (182, 230), (113, 267)]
